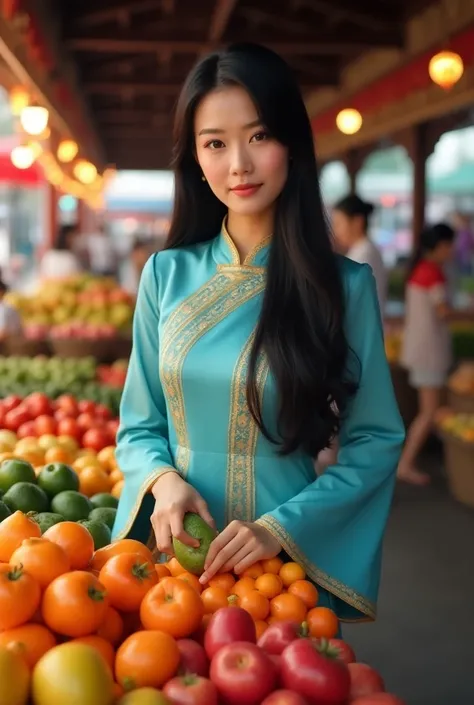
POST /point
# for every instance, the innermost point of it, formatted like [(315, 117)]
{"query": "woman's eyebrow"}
[(219, 131)]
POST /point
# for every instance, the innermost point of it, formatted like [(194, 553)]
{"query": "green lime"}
[(104, 499), (105, 514), (193, 559), (58, 477), (71, 505), (13, 471), (99, 531), (46, 520), (4, 511), (26, 497)]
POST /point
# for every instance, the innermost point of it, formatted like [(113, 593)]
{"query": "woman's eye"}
[(214, 144), (260, 137)]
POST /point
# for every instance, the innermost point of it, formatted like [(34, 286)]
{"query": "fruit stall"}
[(456, 430)]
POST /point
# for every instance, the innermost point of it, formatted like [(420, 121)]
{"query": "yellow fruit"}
[(86, 461), (14, 678), (35, 457), (7, 456), (69, 443), (116, 476), (47, 441), (117, 489), (107, 457), (6, 447), (93, 480), (72, 674), (143, 696), (8, 439)]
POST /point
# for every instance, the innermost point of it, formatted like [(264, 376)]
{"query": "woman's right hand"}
[(173, 498)]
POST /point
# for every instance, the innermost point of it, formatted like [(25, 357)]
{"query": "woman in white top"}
[(61, 262), (350, 222)]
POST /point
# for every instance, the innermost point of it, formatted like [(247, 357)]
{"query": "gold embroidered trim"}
[(234, 251), (242, 439), (144, 489), (343, 592), (221, 301)]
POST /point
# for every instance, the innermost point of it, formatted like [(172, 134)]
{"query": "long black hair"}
[(301, 322), (431, 236), (63, 237), (354, 206)]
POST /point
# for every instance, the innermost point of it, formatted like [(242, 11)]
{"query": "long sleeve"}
[(142, 441), (335, 526)]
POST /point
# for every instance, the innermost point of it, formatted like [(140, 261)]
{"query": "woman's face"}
[(244, 166), (346, 229)]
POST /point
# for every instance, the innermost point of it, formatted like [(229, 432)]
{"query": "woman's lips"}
[(245, 190)]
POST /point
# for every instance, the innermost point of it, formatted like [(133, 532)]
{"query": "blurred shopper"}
[(10, 321), (61, 261), (426, 349), (350, 222), (464, 244), (102, 255)]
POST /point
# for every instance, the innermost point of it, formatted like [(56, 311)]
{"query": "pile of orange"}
[(124, 607)]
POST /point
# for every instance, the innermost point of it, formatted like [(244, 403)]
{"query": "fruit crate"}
[(459, 464), (461, 403), (103, 350), (24, 347)]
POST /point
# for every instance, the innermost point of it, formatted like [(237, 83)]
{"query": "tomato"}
[(11, 402), (72, 672), (14, 678), (191, 690), (127, 579), (95, 438), (38, 404), (193, 658), (75, 540), (13, 530), (86, 406), (345, 652), (103, 412), (20, 596), (16, 418), (33, 641), (378, 699), (117, 547), (284, 697), (279, 635), (307, 669), (45, 425), (61, 414), (85, 421), (74, 604), (27, 430), (364, 680), (41, 559), (172, 606), (67, 403), (69, 427), (227, 625), (242, 673)]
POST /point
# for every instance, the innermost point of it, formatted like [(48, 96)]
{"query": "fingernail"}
[(203, 578)]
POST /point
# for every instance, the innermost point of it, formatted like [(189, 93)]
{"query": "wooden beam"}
[(148, 132), (100, 15), (153, 88), (221, 15), (319, 46), (334, 12), (128, 116)]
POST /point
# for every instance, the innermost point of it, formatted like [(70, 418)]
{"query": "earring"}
[(203, 178)]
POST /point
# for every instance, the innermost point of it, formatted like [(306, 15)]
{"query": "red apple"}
[(95, 438), (242, 673), (364, 680), (45, 425), (284, 697), (278, 636), (193, 658), (85, 420), (16, 418), (69, 427), (311, 670), (38, 404), (68, 403), (191, 690), (345, 652), (26, 430), (227, 625)]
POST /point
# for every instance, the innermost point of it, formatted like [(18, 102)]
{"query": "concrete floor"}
[(423, 640)]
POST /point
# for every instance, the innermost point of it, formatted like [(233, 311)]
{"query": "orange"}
[(322, 623), (93, 481), (173, 607), (85, 461), (214, 598), (33, 641), (175, 568), (260, 628), (306, 591), (34, 457), (288, 607), (256, 604), (272, 565), (255, 571), (162, 571), (75, 540), (291, 572), (146, 658), (223, 580), (269, 585), (117, 489), (13, 531), (116, 476), (106, 457), (242, 586), (112, 627), (191, 580), (58, 455)]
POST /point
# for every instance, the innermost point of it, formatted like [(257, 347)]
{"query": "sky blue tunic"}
[(184, 407)]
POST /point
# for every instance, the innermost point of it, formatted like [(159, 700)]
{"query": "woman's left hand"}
[(240, 545)]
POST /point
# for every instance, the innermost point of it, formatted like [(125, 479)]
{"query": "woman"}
[(426, 349), (61, 262), (257, 329), (350, 223)]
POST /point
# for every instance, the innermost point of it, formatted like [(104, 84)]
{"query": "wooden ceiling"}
[(132, 56)]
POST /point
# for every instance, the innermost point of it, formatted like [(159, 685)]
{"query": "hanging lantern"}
[(445, 69), (67, 151), (34, 119), (19, 99), (349, 121), (22, 157), (85, 171), (36, 149)]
